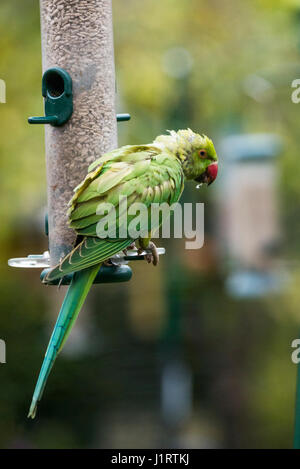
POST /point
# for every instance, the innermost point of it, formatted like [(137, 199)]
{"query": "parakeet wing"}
[(143, 174)]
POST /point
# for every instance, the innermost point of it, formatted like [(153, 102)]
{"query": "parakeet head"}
[(196, 152)]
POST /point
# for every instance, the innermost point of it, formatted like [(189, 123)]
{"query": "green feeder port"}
[(58, 94)]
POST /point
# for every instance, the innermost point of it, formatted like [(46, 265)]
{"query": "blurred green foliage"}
[(179, 63)]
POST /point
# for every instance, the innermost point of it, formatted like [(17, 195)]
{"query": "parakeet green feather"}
[(152, 173)]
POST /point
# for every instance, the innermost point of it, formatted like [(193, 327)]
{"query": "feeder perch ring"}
[(119, 271), (42, 261)]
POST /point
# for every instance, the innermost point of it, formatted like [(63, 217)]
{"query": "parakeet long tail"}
[(72, 304)]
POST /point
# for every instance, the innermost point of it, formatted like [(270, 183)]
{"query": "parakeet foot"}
[(153, 256), (108, 263), (132, 246)]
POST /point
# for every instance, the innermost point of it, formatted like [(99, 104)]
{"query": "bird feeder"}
[(249, 223), (78, 87)]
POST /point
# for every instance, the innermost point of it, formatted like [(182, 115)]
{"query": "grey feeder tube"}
[(77, 36)]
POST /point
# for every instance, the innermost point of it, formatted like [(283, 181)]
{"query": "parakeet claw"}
[(108, 263), (132, 246), (152, 256)]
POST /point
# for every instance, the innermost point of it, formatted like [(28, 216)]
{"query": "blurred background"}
[(197, 352)]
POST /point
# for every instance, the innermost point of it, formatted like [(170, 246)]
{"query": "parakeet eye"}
[(202, 153)]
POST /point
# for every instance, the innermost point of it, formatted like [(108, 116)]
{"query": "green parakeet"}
[(152, 173)]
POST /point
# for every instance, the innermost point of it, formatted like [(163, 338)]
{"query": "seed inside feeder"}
[(77, 36)]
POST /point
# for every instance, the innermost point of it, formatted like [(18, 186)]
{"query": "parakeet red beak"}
[(209, 174)]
